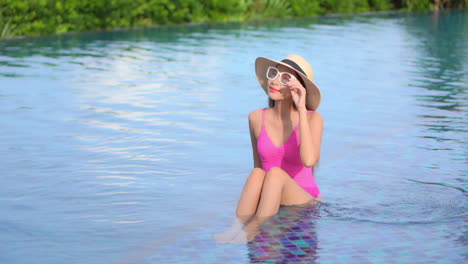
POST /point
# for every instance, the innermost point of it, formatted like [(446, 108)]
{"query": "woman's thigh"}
[(254, 182), (248, 201), (292, 192)]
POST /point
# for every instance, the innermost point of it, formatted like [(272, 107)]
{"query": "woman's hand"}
[(298, 93)]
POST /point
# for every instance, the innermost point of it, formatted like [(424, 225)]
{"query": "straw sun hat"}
[(301, 67)]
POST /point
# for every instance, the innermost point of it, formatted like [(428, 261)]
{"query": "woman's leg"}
[(250, 196), (246, 207), (279, 188)]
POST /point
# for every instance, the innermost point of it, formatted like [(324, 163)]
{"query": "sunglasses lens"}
[(272, 73), (285, 78)]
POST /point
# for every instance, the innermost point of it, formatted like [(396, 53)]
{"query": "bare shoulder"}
[(315, 117), (255, 116), (255, 121)]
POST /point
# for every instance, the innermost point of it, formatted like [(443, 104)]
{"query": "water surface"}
[(133, 146)]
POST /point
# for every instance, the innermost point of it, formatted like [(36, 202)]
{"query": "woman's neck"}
[(283, 109)]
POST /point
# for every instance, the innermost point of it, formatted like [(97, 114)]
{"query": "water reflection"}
[(441, 60), (288, 237), (439, 72)]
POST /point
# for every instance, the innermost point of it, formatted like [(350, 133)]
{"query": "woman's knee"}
[(275, 174), (258, 171), (257, 174)]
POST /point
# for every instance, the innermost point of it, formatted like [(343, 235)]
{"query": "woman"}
[(286, 139)]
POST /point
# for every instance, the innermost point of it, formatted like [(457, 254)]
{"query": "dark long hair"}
[(271, 103)]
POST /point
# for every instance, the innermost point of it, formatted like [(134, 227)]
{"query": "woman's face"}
[(277, 90)]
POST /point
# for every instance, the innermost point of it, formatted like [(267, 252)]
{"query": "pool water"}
[(132, 146)]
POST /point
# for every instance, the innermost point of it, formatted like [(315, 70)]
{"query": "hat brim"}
[(313, 94)]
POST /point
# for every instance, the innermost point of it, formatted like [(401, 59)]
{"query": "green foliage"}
[(225, 10), (32, 17), (380, 5), (306, 8), (271, 8), (413, 5), (345, 6), (6, 28), (454, 3)]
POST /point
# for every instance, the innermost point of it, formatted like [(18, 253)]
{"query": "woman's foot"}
[(250, 231), (231, 233), (245, 235)]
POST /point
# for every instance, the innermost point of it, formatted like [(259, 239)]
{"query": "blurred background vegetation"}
[(36, 17)]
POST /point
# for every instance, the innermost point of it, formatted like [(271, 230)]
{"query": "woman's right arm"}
[(255, 121)]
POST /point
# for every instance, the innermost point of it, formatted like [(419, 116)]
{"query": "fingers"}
[(294, 83), (297, 88), (298, 92)]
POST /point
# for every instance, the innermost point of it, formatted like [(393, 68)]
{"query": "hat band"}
[(294, 65), (297, 68)]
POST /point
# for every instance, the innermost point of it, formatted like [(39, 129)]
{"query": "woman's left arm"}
[(311, 125), (310, 132)]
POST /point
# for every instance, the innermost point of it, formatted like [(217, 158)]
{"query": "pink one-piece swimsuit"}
[(286, 157)]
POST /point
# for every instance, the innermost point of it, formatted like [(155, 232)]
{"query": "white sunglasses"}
[(273, 73)]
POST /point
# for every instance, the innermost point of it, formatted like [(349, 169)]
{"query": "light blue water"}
[(133, 146)]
